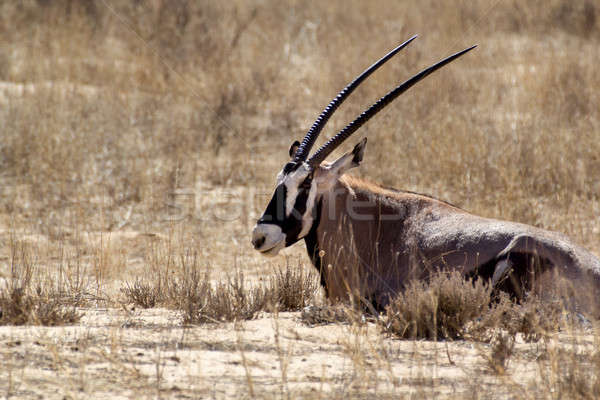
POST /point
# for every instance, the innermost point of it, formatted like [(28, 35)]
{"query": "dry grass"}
[(202, 300), (26, 299), (292, 288), (439, 308), (138, 113), (450, 307), (140, 139), (577, 373)]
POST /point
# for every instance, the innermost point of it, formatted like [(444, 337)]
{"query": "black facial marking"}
[(293, 223), (275, 211), (302, 198), (289, 167), (312, 246), (307, 182)]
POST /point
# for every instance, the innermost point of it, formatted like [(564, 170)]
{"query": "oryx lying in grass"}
[(368, 241)]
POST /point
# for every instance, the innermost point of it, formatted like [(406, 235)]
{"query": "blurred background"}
[(126, 121)]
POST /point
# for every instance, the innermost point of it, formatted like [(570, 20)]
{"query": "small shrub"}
[(451, 307), (535, 318), (23, 303), (20, 307), (226, 301), (292, 289), (440, 308), (203, 301), (143, 294)]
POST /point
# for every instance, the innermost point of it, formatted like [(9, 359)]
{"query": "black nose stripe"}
[(289, 167), (275, 211)]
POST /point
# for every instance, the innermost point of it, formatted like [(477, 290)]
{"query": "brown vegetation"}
[(140, 139)]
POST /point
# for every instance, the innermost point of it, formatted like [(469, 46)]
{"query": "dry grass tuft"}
[(437, 309), (143, 294), (18, 307), (535, 318), (202, 301), (26, 302), (570, 373), (503, 346), (292, 289), (451, 307)]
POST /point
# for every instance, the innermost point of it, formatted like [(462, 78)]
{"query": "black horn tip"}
[(469, 48)]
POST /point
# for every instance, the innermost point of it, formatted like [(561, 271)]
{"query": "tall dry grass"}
[(122, 103), (132, 132)]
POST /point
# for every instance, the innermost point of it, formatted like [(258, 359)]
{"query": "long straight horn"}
[(313, 133), (352, 127)]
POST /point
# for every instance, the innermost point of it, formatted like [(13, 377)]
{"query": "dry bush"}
[(290, 289), (436, 309), (226, 301), (25, 301), (143, 294), (17, 307), (451, 307), (293, 288), (183, 286), (535, 318)]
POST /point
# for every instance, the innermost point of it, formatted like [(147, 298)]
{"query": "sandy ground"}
[(123, 353)]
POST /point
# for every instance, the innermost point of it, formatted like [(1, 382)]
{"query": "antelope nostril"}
[(258, 241)]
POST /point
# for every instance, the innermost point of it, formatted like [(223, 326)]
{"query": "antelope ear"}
[(358, 152), (294, 147), (348, 161)]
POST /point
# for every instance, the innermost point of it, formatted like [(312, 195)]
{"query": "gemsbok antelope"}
[(368, 241)]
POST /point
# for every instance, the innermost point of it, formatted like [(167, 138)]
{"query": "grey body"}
[(370, 241)]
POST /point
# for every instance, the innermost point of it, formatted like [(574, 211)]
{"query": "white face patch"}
[(291, 182), (307, 218)]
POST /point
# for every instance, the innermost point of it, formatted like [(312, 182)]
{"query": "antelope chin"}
[(273, 251)]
